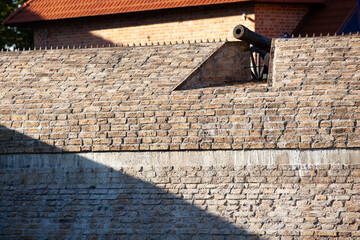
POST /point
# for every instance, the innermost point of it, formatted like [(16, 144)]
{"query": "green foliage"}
[(13, 36)]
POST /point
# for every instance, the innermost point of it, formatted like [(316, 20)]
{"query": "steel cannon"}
[(261, 46)]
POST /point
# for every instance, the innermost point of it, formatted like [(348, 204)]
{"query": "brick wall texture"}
[(184, 24), (273, 20), (229, 65), (107, 106), (199, 23), (65, 196), (121, 99)]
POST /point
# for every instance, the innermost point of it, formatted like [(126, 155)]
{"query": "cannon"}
[(261, 46)]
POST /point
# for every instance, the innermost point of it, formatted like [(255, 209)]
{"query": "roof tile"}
[(39, 10)]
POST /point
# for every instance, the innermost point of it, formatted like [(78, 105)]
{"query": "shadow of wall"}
[(228, 66), (67, 196)]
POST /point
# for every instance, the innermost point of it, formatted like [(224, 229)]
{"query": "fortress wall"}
[(263, 194)]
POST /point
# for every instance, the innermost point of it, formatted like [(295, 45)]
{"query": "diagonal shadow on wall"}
[(68, 196), (95, 30)]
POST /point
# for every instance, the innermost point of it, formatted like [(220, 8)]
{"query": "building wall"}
[(185, 24), (259, 194), (272, 20), (199, 23)]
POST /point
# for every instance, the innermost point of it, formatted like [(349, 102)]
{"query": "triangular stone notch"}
[(228, 65)]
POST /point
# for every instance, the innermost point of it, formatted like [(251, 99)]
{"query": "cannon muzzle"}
[(261, 47), (243, 33)]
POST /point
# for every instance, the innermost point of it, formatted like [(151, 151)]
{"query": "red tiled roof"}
[(39, 10), (328, 19)]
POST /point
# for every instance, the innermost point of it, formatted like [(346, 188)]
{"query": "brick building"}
[(100, 143), (62, 23)]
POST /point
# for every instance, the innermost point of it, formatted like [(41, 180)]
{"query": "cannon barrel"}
[(243, 33)]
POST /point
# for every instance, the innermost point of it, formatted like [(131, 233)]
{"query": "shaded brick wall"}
[(199, 23), (272, 20), (229, 65), (196, 23), (157, 195)]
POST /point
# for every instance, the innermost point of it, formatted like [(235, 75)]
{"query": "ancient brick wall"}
[(267, 161), (317, 63), (183, 195), (122, 99)]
